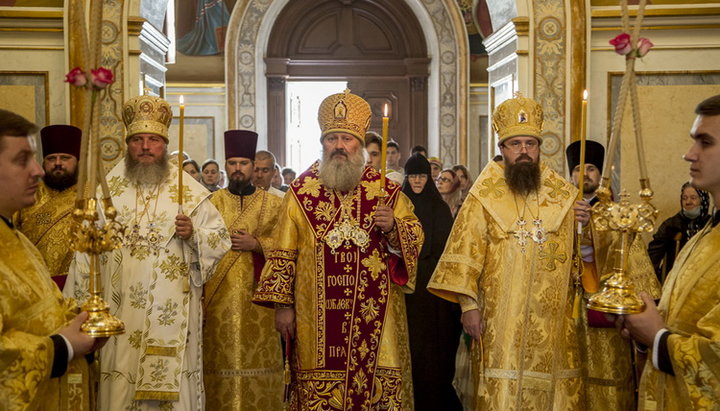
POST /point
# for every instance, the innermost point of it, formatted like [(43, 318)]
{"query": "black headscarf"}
[(423, 202)]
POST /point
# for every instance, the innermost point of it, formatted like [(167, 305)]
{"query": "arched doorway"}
[(442, 25), (379, 48)]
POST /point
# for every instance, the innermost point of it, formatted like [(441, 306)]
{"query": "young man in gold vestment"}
[(610, 382), (42, 364), (154, 281), (47, 222), (683, 331), (508, 264), (338, 271), (242, 358)]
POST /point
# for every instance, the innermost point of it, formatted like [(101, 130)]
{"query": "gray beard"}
[(153, 173), (523, 178), (341, 175)]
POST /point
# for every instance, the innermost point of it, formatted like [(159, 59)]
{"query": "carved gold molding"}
[(522, 26), (135, 25), (24, 13)]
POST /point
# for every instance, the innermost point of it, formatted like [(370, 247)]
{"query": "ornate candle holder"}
[(93, 240), (619, 295)]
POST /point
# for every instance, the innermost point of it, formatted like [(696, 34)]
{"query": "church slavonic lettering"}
[(338, 304), (337, 351), (341, 280)]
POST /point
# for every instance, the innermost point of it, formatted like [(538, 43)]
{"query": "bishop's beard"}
[(153, 173), (62, 181), (523, 177), (340, 174)]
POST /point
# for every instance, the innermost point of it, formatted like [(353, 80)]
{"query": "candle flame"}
[(182, 100), (385, 110), (585, 95)]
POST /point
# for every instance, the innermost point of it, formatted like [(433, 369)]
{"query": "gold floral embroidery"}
[(310, 187), (138, 296), (493, 188), (160, 368), (169, 312), (374, 264), (173, 268), (117, 185), (324, 211), (135, 339), (550, 255), (369, 309), (372, 189), (557, 188), (173, 191)]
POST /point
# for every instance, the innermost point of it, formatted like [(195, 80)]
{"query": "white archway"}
[(250, 26)]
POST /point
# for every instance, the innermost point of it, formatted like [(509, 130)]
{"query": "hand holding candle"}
[(181, 156), (383, 151)]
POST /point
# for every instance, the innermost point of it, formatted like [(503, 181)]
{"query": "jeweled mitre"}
[(147, 114), (345, 113), (518, 116)]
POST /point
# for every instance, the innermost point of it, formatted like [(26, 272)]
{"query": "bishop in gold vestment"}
[(609, 369), (47, 222), (508, 263), (340, 266), (242, 358), (154, 281)]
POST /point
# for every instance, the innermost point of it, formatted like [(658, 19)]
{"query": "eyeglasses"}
[(516, 146)]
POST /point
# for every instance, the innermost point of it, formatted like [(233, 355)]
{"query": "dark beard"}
[(66, 180), (237, 185), (523, 178), (590, 188)]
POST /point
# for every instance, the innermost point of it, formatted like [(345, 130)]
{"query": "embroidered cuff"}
[(393, 238)]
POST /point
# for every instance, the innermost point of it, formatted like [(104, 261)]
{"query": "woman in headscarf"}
[(448, 185), (677, 230), (433, 323), (210, 175)]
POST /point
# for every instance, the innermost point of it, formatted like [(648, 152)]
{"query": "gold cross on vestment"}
[(551, 254)]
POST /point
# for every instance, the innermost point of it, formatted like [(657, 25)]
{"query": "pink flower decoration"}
[(101, 77), (622, 44), (76, 77), (644, 46)]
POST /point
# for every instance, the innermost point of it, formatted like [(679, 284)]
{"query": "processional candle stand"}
[(89, 234), (627, 219)]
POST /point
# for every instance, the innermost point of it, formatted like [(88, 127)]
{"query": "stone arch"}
[(246, 44)]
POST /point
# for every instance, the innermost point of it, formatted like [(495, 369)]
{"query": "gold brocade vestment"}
[(242, 361), (332, 295), (154, 284), (529, 355), (608, 364), (32, 309), (690, 304), (46, 224)]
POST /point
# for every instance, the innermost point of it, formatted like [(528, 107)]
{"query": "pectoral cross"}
[(522, 234)]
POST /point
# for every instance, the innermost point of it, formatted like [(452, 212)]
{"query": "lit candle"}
[(181, 157), (383, 151), (583, 125)]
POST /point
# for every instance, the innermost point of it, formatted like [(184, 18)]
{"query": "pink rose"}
[(644, 46), (76, 77), (101, 77), (622, 44)]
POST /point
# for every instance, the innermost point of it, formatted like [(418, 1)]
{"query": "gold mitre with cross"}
[(518, 116), (344, 113), (147, 114)]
